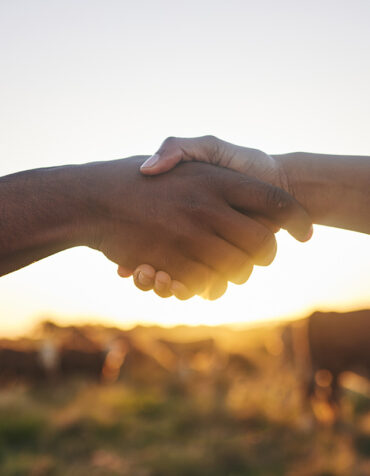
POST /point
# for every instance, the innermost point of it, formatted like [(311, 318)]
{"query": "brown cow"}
[(20, 364), (69, 351), (84, 363), (327, 344), (338, 343)]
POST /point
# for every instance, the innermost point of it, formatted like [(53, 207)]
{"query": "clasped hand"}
[(195, 228)]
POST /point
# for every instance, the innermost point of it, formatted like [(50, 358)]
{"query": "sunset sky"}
[(87, 80)]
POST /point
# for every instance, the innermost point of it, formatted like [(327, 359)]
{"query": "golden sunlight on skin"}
[(304, 276), (105, 89)]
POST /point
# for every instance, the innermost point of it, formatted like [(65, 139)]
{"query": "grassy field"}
[(249, 421)]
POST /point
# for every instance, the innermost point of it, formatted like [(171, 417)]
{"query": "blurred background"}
[(91, 80)]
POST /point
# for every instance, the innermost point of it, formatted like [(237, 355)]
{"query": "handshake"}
[(190, 230), (184, 231)]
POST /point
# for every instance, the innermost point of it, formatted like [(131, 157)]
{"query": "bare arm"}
[(42, 212), (188, 223), (334, 189)]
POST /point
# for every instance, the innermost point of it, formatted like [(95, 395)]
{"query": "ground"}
[(248, 422)]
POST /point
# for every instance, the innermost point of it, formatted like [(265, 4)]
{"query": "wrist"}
[(305, 181), (103, 186), (333, 189), (90, 217), (74, 217)]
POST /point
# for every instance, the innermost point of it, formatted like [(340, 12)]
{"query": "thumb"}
[(176, 149), (159, 163), (162, 161)]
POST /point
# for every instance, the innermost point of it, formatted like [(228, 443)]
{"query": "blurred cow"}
[(325, 345), (59, 352), (69, 351), (84, 363), (20, 363), (239, 365)]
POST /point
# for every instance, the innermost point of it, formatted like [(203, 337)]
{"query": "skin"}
[(333, 189), (192, 223)]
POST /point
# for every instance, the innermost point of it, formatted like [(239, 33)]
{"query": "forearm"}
[(42, 212), (335, 190)]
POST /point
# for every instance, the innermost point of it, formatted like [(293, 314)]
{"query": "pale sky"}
[(85, 80)]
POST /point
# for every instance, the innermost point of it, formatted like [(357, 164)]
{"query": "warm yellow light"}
[(118, 83)]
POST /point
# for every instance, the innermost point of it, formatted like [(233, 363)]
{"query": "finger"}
[(266, 222), (124, 272), (194, 275), (223, 257), (176, 149), (250, 236), (144, 277), (253, 196), (180, 291), (243, 275), (162, 284), (215, 290)]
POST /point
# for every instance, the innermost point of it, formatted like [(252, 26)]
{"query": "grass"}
[(251, 425)]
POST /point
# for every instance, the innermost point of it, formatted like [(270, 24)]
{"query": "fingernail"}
[(144, 279), (150, 162), (309, 234)]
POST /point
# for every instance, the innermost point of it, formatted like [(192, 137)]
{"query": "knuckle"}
[(214, 148), (278, 199), (169, 141), (201, 211), (210, 139), (196, 212), (193, 205)]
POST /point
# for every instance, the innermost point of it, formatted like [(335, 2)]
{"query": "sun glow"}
[(121, 81)]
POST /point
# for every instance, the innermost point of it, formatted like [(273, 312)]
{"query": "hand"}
[(333, 189), (144, 276), (208, 149), (147, 278), (181, 223), (211, 150), (189, 223)]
